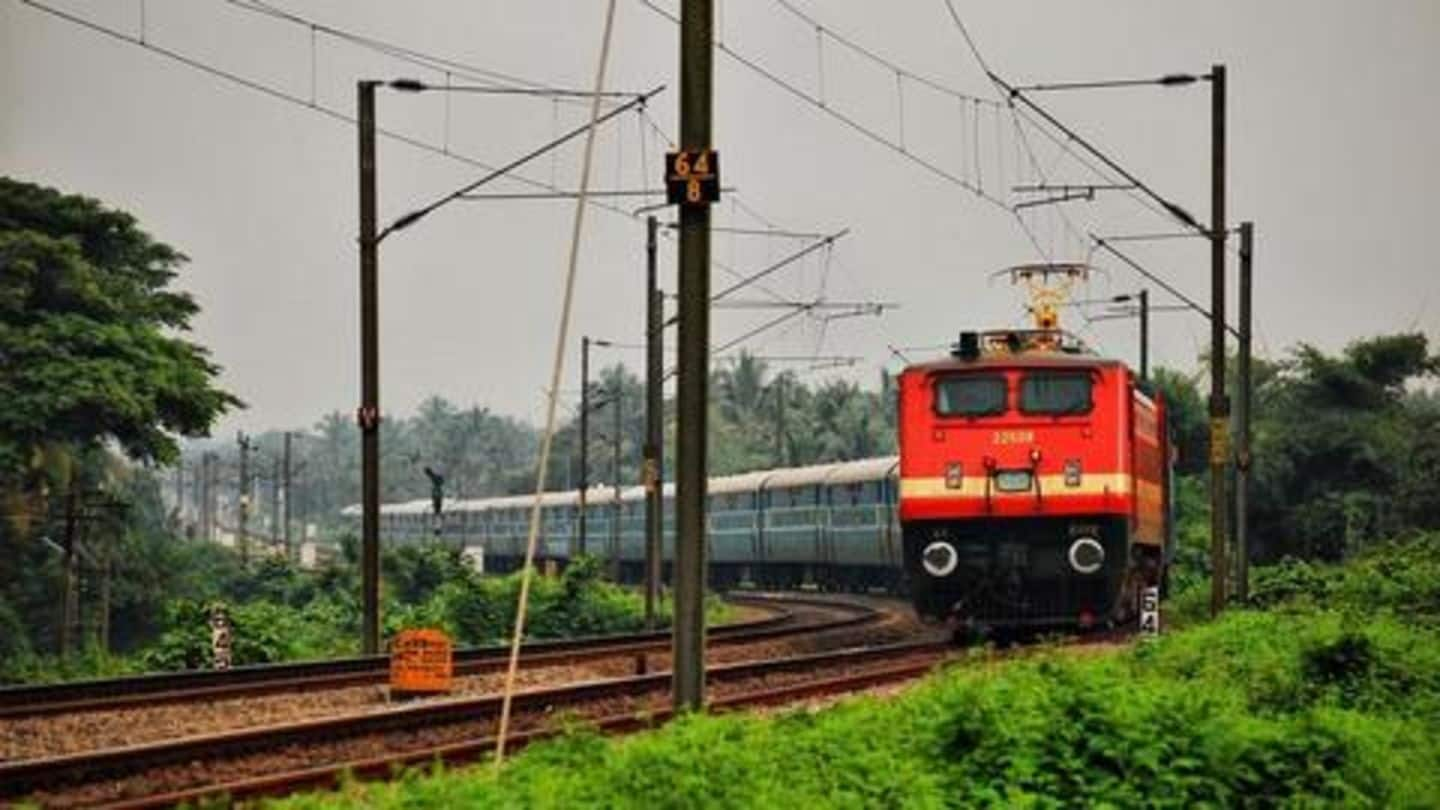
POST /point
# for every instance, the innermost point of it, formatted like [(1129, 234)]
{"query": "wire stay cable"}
[(557, 370)]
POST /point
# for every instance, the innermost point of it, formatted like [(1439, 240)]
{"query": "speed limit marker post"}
[(692, 177)]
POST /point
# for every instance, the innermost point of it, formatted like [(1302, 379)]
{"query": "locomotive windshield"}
[(970, 395), (1055, 394)]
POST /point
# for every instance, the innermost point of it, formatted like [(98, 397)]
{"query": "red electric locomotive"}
[(1034, 480)]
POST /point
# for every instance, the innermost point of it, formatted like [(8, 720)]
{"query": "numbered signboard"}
[(420, 662), (1150, 611), (692, 177)]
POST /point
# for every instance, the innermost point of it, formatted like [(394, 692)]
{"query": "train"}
[(1033, 489), (823, 527), (1035, 478)]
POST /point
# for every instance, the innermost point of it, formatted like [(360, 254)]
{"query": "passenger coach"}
[(823, 526)]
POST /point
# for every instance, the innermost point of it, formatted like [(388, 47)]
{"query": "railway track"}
[(112, 694), (286, 757)]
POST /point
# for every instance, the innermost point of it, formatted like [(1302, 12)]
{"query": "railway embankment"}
[(1324, 690)]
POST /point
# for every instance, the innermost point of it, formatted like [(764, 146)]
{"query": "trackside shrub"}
[(1313, 703)]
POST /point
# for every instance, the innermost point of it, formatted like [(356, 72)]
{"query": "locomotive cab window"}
[(970, 395), (1056, 394)]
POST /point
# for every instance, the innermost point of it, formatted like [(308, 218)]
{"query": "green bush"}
[(1257, 710), (1329, 698)]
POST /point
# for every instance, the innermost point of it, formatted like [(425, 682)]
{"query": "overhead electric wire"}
[(878, 59), (774, 78), (1071, 137), (776, 266), (419, 213), (403, 53), (1168, 287), (307, 104)]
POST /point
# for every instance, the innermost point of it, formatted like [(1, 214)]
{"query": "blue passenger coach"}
[(826, 526)]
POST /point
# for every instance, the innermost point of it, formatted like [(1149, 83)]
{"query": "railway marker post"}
[(696, 91), (221, 637)]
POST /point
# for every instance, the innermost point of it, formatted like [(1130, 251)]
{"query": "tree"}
[(88, 335), (1341, 448), (91, 358)]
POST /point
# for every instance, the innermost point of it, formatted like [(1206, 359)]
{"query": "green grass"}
[(1293, 706)]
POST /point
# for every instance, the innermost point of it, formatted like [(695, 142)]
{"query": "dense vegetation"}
[(95, 375), (1329, 695), (281, 613)]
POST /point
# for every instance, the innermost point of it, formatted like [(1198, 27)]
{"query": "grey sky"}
[(1334, 116)]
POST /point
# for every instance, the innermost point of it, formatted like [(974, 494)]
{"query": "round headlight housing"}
[(939, 559), (1086, 555)]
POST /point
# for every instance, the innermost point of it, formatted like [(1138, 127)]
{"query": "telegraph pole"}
[(242, 521), (205, 475), (584, 431), (275, 502), (285, 517), (780, 420), (69, 597), (696, 90), (1219, 404), (369, 413), (615, 469), (1144, 335), (654, 424), (1243, 406)]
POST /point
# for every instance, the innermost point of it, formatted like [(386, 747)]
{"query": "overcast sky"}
[(1334, 118)]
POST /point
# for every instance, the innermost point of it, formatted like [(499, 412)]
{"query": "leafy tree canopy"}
[(89, 350)]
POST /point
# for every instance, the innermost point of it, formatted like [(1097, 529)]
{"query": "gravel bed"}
[(301, 756), (53, 735)]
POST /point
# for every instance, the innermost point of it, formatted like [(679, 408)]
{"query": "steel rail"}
[(329, 777), (177, 687), (20, 777)]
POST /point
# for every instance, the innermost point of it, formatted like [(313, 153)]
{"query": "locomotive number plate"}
[(1013, 437)]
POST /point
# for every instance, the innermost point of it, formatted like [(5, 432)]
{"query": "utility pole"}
[(243, 538), (1219, 404), (197, 497), (654, 423), (696, 90), (180, 491), (1243, 407), (275, 502), (212, 495), (584, 432), (107, 567), (69, 596), (285, 517), (1144, 335), (369, 413), (615, 404), (780, 420), (205, 476)]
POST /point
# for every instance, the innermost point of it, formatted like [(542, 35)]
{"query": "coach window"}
[(970, 395), (1056, 394)]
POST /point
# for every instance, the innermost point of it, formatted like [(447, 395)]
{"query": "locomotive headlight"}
[(939, 559), (1072, 472), (1086, 555)]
